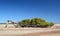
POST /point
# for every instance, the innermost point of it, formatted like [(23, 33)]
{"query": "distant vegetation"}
[(35, 22)]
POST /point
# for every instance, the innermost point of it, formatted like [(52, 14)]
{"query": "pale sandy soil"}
[(29, 32)]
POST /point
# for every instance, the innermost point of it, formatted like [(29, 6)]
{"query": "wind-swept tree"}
[(35, 22)]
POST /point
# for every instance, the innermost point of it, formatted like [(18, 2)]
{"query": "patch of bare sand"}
[(55, 32)]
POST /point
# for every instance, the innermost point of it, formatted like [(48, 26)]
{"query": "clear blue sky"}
[(17, 10)]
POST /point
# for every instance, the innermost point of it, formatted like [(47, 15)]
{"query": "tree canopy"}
[(25, 22), (35, 22)]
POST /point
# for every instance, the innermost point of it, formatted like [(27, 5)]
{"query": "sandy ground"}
[(29, 32)]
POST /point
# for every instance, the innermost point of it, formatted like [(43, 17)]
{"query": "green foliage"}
[(35, 22), (43, 24), (24, 23), (50, 24)]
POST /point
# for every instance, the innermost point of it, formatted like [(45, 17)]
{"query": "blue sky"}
[(17, 10)]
